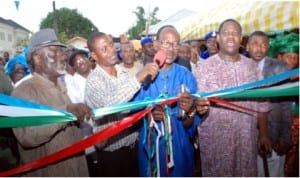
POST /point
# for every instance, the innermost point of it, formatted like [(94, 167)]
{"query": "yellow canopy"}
[(267, 16), (137, 44)]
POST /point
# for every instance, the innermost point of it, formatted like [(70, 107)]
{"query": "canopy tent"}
[(183, 13), (136, 44), (268, 16)]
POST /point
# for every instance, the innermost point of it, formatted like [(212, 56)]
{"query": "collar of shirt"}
[(261, 63)]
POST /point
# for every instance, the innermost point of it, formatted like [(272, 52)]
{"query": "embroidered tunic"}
[(228, 138), (169, 82)]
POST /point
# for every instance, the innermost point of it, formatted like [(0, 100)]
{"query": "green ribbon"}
[(26, 121), (127, 106), (276, 91)]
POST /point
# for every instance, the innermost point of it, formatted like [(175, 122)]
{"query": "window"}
[(9, 37), (2, 36)]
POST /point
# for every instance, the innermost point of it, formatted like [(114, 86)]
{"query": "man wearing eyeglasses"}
[(175, 47), (163, 152)]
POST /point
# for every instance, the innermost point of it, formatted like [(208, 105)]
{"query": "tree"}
[(142, 20), (70, 23), (20, 44)]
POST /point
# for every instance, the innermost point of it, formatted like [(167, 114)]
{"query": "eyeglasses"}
[(168, 44)]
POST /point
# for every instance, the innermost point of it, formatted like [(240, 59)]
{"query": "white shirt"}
[(79, 86)]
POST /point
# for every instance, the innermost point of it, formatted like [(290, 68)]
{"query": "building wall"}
[(77, 42), (9, 37)]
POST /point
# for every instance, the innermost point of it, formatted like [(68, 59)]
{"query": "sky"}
[(110, 16)]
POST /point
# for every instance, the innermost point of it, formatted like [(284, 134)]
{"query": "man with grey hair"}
[(48, 63)]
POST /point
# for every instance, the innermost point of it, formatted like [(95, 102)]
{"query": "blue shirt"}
[(169, 82)]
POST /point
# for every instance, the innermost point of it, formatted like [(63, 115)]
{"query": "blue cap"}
[(146, 40), (210, 35)]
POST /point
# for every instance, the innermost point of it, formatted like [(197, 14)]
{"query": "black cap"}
[(74, 53)]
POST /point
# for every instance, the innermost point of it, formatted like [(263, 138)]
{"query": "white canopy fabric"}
[(183, 13), (267, 16)]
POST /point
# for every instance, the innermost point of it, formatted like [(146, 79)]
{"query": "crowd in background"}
[(207, 140)]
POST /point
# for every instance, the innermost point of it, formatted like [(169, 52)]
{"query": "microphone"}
[(159, 58)]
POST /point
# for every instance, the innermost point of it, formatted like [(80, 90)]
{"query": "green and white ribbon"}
[(13, 116), (289, 89)]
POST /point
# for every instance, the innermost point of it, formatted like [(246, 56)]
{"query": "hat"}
[(210, 35), (284, 44), (74, 53), (146, 40), (42, 38), (20, 59)]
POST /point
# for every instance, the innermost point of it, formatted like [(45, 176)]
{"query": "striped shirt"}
[(102, 90)]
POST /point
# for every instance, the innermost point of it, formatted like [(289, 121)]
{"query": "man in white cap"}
[(48, 63)]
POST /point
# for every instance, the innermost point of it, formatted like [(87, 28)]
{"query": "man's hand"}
[(264, 145), (202, 105), (149, 69), (81, 111), (157, 113), (186, 101)]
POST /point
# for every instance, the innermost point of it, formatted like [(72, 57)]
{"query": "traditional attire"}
[(168, 83), (40, 141), (228, 138)]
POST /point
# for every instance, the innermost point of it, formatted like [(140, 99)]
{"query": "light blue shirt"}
[(261, 63)]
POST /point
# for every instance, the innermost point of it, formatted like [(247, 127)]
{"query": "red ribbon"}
[(229, 104), (85, 143), (100, 137), (79, 146)]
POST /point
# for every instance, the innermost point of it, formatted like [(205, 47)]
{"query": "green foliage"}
[(21, 43), (70, 23), (140, 25)]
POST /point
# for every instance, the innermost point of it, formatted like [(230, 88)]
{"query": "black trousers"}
[(9, 154), (119, 163)]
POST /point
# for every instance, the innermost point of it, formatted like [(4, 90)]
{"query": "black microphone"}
[(147, 80), (159, 58)]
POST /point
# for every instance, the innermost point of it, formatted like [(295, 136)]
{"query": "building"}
[(77, 42), (13, 37)]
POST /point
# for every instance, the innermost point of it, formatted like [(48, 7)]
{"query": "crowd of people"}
[(191, 137)]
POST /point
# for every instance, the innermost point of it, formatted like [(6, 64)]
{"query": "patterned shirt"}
[(103, 90), (227, 137)]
